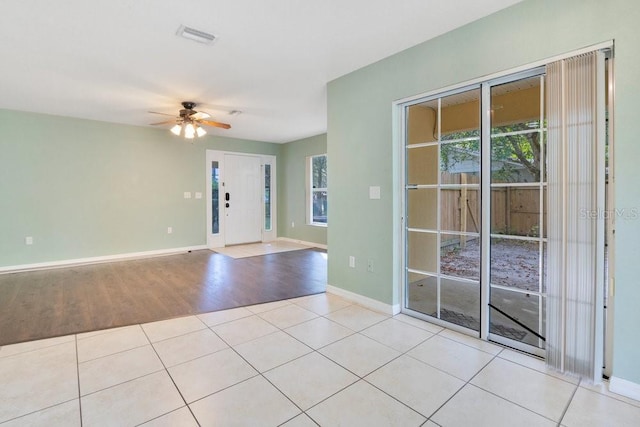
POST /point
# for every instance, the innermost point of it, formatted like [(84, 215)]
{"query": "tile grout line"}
[(362, 378), (468, 382), (326, 345), (172, 381), (427, 417), (150, 344), (391, 396), (283, 393), (313, 350), (614, 396), (302, 414), (223, 389), (258, 374), (566, 408), (36, 411), (359, 378), (78, 378), (113, 354), (261, 374), (577, 385), (124, 382), (497, 355), (468, 345), (534, 369), (37, 348), (500, 397)]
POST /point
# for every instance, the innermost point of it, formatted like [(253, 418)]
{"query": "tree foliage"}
[(513, 153), (319, 172)]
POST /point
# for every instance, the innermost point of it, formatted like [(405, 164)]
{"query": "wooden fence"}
[(514, 210)]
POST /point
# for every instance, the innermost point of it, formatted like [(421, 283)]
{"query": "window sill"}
[(318, 224)]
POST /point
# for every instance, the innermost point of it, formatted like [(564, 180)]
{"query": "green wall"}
[(292, 189), (360, 138), (85, 188)]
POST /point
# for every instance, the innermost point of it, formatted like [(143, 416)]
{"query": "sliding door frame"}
[(400, 118), (486, 235)]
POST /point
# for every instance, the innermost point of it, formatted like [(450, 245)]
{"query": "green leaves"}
[(516, 152)]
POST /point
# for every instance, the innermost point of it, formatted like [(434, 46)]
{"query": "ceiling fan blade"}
[(215, 124), (164, 122), (164, 114), (200, 115)]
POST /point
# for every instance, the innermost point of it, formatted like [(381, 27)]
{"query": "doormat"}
[(259, 249), (472, 323)]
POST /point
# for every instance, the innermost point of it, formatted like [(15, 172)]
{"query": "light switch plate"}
[(187, 194), (374, 192)]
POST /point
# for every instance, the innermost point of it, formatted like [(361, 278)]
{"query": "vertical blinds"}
[(575, 146)]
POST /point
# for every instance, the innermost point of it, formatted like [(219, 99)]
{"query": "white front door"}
[(250, 181), (241, 199)]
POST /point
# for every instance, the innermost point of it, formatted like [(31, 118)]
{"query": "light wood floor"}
[(49, 303)]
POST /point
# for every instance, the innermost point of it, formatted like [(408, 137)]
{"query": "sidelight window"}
[(317, 190)]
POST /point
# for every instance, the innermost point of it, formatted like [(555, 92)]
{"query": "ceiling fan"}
[(189, 121)]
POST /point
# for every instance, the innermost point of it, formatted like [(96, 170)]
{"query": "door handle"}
[(226, 196)]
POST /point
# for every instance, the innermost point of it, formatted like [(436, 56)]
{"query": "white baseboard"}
[(365, 301), (98, 260), (302, 242), (624, 388)]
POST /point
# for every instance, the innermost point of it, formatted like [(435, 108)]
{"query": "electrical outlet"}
[(198, 195), (169, 230), (370, 266), (352, 261), (28, 240)]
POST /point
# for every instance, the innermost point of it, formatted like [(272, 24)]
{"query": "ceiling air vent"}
[(195, 35)]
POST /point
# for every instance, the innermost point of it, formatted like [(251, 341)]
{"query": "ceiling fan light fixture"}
[(195, 35), (176, 130), (190, 123), (189, 131)]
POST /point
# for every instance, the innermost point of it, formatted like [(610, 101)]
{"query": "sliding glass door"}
[(464, 170), (443, 208), (504, 209), (517, 207)]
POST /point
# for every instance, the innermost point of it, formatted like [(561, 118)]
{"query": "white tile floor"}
[(315, 360)]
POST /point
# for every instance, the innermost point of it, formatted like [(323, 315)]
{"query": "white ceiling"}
[(114, 60)]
